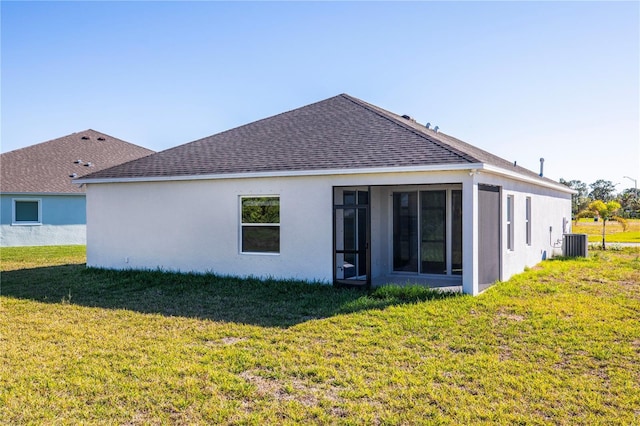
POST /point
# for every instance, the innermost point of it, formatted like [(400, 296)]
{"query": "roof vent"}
[(101, 138), (428, 125), (73, 175), (77, 162), (85, 138), (435, 129), (89, 164), (406, 117)]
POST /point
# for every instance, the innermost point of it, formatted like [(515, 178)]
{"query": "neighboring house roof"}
[(46, 167), (338, 133)]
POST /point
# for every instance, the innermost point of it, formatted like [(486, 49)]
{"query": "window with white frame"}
[(27, 211), (527, 219), (510, 229), (260, 224)]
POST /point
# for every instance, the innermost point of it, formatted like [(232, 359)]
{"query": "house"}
[(339, 191), (39, 205)]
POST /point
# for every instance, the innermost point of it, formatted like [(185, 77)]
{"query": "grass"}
[(557, 344), (12, 259), (613, 231)]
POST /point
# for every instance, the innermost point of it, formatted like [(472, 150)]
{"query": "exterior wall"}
[(550, 219), (380, 235), (195, 225), (63, 221), (470, 283)]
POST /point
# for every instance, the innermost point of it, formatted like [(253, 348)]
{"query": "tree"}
[(606, 211), (603, 190), (579, 201), (629, 199)]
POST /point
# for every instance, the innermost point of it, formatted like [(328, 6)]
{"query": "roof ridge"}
[(72, 134), (379, 111), (497, 158), (47, 141), (47, 167), (118, 139), (440, 139), (313, 137), (246, 124)]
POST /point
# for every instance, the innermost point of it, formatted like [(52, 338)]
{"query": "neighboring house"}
[(39, 205), (337, 191)]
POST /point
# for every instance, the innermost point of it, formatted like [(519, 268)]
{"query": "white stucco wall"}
[(42, 235), (550, 219), (194, 225)]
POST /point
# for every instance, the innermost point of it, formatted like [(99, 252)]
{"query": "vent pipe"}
[(541, 167)]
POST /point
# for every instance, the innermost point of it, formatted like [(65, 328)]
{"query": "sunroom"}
[(409, 234)]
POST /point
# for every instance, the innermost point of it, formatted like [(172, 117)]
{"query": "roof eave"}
[(41, 193), (327, 172), (528, 179), (286, 173)]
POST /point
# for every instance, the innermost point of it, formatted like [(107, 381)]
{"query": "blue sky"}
[(522, 80)]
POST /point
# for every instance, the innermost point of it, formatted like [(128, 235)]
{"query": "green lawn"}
[(558, 344), (614, 233)]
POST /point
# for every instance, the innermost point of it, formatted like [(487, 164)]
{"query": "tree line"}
[(603, 190)]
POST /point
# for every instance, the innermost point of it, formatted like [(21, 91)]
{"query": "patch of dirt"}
[(218, 342), (515, 317), (303, 393), (232, 340), (596, 280), (264, 386), (505, 353), (141, 418), (510, 316)]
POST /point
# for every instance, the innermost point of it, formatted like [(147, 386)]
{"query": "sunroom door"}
[(421, 243), (433, 232), (351, 237)]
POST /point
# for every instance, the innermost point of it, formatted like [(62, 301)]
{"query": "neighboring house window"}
[(510, 229), (528, 220), (260, 218), (27, 212)]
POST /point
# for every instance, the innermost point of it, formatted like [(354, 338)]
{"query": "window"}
[(433, 232), (510, 238), (456, 232), (427, 232), (26, 212), (528, 221), (405, 231), (260, 227)]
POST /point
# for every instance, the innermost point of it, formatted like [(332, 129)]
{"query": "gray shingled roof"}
[(341, 132), (46, 167)]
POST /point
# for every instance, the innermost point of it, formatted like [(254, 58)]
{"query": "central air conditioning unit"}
[(575, 245)]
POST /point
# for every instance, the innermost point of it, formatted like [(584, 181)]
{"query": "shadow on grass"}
[(271, 303)]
